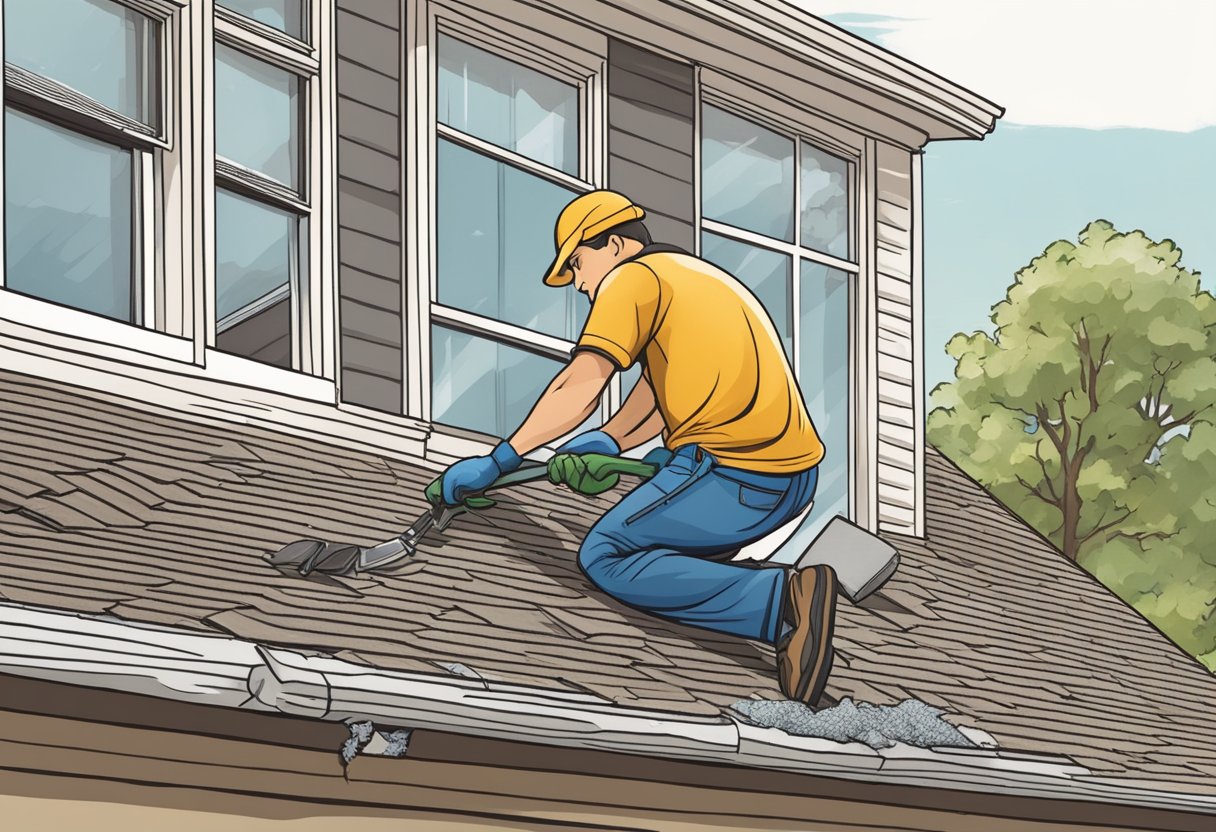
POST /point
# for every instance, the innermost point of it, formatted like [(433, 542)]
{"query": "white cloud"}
[(1076, 63)]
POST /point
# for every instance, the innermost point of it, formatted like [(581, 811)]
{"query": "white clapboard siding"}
[(897, 269)]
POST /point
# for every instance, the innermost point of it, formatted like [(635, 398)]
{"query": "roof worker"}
[(716, 384)]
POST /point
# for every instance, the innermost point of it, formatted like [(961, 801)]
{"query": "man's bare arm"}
[(638, 420), (567, 402)]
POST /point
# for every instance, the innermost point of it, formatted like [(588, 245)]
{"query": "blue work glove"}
[(474, 474), (590, 442)]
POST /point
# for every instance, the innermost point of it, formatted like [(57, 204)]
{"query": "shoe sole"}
[(815, 652)]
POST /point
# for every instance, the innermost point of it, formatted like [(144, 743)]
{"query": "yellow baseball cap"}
[(585, 218)]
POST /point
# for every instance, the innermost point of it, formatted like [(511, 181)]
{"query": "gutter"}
[(188, 666)]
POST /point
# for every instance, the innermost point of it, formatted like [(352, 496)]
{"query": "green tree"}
[(1090, 413)]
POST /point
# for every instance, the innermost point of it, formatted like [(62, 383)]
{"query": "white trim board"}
[(112, 654), (227, 389)]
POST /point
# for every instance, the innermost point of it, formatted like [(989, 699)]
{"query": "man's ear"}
[(617, 244)]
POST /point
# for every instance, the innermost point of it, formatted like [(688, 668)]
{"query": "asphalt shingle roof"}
[(107, 506)]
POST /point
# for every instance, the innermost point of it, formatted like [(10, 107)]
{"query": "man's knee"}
[(595, 555)]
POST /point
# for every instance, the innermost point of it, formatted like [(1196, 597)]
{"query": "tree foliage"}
[(1091, 412)]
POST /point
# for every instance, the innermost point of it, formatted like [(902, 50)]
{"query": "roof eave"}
[(944, 109), (188, 666)]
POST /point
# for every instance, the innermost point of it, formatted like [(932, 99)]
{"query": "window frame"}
[(550, 45), (175, 168), (811, 127), (47, 100), (307, 292)]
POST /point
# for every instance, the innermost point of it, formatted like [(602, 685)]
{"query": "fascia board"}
[(187, 666), (854, 59)]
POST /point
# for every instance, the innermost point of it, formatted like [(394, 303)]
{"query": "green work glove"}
[(585, 474)]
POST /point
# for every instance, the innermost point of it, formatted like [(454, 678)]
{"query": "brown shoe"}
[(804, 656)]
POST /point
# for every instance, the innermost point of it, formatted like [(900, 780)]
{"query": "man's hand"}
[(474, 474), (591, 442), (581, 476)]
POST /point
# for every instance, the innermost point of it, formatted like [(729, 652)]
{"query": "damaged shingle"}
[(911, 722), (398, 743), (360, 735)]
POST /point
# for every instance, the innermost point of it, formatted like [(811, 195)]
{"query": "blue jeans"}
[(651, 550)]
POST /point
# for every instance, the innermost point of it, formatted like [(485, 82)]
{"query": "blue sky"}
[(1109, 114)]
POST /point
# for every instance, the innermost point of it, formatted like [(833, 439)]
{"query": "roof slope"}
[(108, 508)]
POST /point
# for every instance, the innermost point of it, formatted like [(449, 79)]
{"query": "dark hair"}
[(632, 230)]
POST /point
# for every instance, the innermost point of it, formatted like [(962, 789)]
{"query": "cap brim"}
[(558, 274)]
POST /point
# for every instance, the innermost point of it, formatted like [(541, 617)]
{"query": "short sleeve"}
[(624, 314)]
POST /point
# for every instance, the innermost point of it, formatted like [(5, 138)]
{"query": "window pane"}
[(96, 47), (255, 256), (67, 217), (766, 273), (508, 104), (284, 15), (823, 350), (483, 385), (825, 202), (257, 116), (496, 240), (747, 175)]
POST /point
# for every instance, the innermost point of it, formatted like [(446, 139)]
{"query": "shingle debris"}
[(398, 742), (360, 735), (911, 722)]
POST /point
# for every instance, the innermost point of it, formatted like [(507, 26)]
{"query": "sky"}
[(1110, 113)]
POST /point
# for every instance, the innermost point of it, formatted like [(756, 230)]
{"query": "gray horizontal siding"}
[(371, 167), (371, 42), (650, 138), (370, 289), (369, 210), (367, 125), (370, 254), (376, 90), (386, 12), (369, 203), (372, 391), (364, 321)]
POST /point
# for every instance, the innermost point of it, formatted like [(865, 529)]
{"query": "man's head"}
[(591, 261), (592, 235)]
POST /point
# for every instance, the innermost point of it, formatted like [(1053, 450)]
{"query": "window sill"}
[(244, 372), (73, 328)]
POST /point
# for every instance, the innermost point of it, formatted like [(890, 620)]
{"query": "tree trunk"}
[(1071, 508)]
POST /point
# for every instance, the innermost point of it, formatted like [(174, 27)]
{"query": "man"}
[(717, 385)]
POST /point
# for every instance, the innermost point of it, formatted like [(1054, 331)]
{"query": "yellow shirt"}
[(720, 376)]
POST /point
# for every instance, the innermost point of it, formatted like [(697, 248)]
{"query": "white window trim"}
[(312, 338), (550, 44), (802, 125), (176, 170), (147, 146)]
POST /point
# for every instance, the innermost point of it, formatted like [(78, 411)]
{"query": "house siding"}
[(369, 203), (651, 121), (895, 266)]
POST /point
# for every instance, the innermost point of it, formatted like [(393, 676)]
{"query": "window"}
[(287, 16), (83, 81), (264, 198), (509, 160), (778, 212), (108, 197)]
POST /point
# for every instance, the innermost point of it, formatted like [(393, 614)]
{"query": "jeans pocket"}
[(761, 498)]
